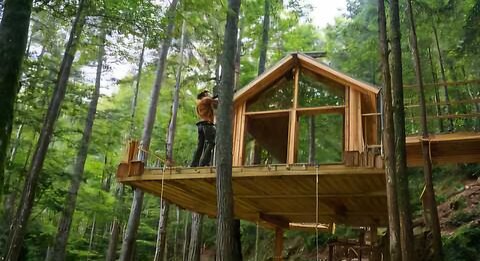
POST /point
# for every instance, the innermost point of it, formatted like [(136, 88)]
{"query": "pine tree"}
[(389, 140), (431, 207), (19, 224), (13, 42), (65, 223), (224, 138), (136, 208), (406, 232)]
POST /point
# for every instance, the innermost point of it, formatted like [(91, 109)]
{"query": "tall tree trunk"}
[(224, 136), (1, 9), (389, 140), (406, 233), (444, 78), (128, 244), (13, 42), (135, 90), (176, 97), (237, 241), (92, 235), (162, 228), (431, 206), (113, 240), (135, 210), (264, 43), (115, 231), (10, 194), (186, 236), (257, 241), (195, 238), (13, 151), (9, 205), (65, 223), (238, 54), (28, 195), (163, 221), (218, 75), (437, 94), (160, 248), (175, 233)]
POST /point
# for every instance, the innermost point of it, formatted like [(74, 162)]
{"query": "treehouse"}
[(306, 150)]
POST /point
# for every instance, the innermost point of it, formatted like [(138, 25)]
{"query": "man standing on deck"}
[(206, 129)]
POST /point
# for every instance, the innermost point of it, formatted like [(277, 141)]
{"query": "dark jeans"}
[(206, 143)]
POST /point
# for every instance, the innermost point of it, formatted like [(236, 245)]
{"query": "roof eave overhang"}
[(264, 79), (334, 75)]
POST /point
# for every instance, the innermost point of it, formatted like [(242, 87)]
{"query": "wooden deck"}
[(278, 195), (459, 147)]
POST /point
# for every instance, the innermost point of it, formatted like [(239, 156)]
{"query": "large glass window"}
[(277, 97), (266, 139), (315, 91), (320, 139), (319, 115)]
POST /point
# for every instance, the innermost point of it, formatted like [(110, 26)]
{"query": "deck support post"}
[(361, 241), (278, 244), (330, 252), (374, 254)]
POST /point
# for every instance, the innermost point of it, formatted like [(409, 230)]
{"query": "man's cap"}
[(202, 93)]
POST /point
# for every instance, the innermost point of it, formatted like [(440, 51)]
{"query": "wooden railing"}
[(460, 112)]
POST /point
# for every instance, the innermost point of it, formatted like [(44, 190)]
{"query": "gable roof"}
[(274, 73)]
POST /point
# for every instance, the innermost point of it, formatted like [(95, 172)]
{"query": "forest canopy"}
[(101, 59)]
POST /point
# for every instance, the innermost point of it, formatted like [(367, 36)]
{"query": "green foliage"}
[(463, 245), (351, 46), (461, 217), (323, 240)]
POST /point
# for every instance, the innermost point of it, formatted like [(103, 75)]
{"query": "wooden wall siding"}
[(354, 129), (238, 134)]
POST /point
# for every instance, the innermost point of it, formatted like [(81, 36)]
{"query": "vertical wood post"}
[(361, 241), (293, 123), (373, 243), (278, 244), (330, 252)]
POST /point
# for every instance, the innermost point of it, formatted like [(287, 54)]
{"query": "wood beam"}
[(265, 79), (255, 171), (350, 195), (267, 114), (340, 109), (276, 220), (336, 76), (328, 214)]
